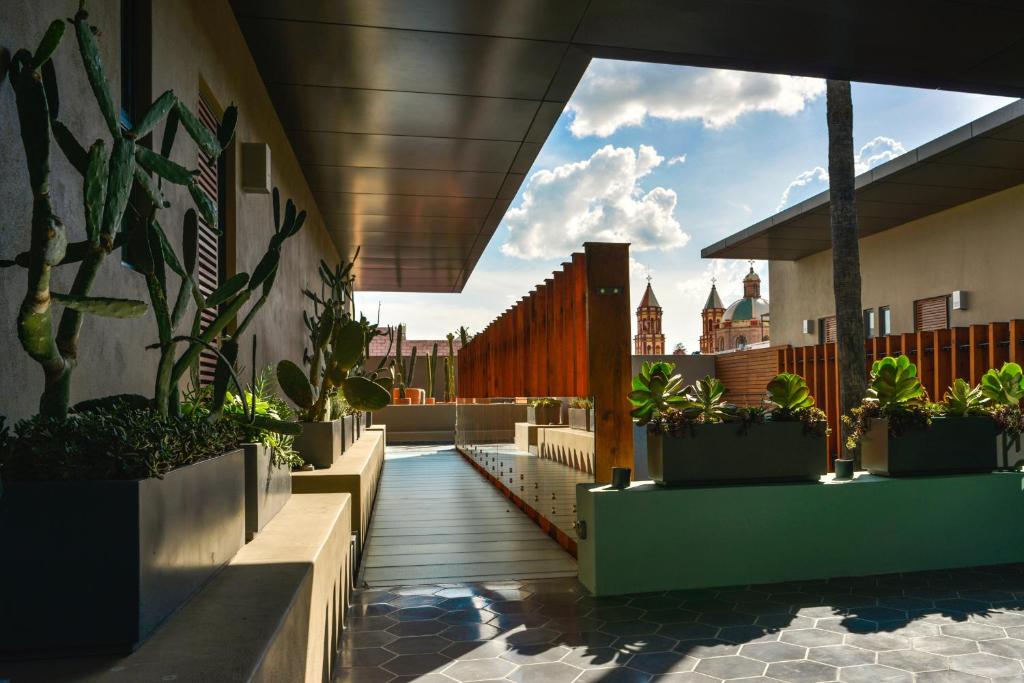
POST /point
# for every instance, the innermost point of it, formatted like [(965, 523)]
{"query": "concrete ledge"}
[(649, 538), (275, 613), (357, 473), (571, 447), (526, 435), (419, 423)]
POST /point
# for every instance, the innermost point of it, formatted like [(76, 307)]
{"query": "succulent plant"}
[(789, 393), (545, 402), (655, 390), (704, 401), (1005, 386), (894, 384), (581, 402), (962, 399)]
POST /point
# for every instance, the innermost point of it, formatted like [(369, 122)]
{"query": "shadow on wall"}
[(692, 367)]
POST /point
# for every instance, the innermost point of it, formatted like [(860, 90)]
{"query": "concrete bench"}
[(571, 447), (275, 613), (357, 473)]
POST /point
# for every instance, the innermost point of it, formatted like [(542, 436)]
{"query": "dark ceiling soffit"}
[(988, 126)]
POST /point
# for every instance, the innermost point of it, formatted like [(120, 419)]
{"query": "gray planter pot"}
[(348, 432), (267, 488), (544, 415), (580, 418), (319, 444), (951, 445), (718, 454), (96, 566)]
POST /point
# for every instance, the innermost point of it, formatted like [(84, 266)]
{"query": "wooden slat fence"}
[(745, 374)]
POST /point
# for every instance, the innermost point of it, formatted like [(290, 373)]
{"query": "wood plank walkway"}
[(437, 520)]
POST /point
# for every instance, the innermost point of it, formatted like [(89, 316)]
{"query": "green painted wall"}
[(649, 538)]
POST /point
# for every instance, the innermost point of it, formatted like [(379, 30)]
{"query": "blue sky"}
[(672, 159)]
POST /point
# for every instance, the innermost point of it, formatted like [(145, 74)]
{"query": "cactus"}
[(449, 370), (464, 335), (431, 371), (106, 183), (401, 371)]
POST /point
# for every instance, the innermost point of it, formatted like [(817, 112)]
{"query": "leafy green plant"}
[(1005, 386), (961, 399), (656, 389), (581, 402), (113, 441), (790, 394), (546, 402), (894, 384), (705, 402)]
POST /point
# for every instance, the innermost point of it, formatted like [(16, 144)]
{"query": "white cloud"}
[(681, 159), (877, 151), (615, 94), (595, 200)]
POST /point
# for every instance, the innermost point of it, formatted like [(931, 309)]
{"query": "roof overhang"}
[(415, 121), (975, 160)]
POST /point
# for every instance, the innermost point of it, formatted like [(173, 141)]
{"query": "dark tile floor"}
[(964, 625)]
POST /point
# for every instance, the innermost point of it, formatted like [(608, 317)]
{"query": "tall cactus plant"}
[(402, 370), (449, 370), (431, 371)]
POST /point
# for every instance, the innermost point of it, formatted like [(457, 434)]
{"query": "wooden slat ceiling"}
[(975, 160), (417, 120)]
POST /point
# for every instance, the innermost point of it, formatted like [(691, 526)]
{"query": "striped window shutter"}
[(828, 329), (931, 314), (208, 259)]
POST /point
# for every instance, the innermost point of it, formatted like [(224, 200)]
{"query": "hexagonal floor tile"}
[(914, 661), (949, 677), (527, 619), (363, 639), (403, 601), (467, 602), (625, 675), (475, 649), (535, 654), (530, 636), (662, 663), (726, 618), (982, 664), (357, 624), (1004, 647), (410, 665), (999, 618), (748, 634), (411, 645), (367, 656), (629, 628), (649, 643), (703, 649), (470, 632), (972, 631), (596, 657), (810, 637), (803, 671), (730, 666), (462, 592), (615, 613), (552, 672), (418, 628), (363, 674), (479, 669), (467, 616), (586, 639), (841, 655), (773, 652), (878, 641), (874, 673), (687, 631), (417, 613), (945, 645)]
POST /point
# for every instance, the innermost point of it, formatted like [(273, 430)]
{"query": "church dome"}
[(748, 308)]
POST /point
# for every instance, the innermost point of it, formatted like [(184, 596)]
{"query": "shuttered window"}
[(209, 261), (931, 314), (827, 330)]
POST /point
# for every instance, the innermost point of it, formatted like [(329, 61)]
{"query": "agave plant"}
[(962, 399), (894, 384), (705, 402), (789, 393), (1005, 386), (655, 390)]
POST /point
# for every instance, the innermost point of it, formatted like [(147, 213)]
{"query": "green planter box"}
[(319, 444), (267, 487), (544, 415), (348, 432), (719, 454), (581, 418), (96, 566), (951, 445)]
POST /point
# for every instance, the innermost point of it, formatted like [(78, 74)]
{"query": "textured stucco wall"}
[(197, 45), (973, 247)]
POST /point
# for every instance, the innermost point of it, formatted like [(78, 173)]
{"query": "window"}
[(869, 323), (931, 313), (884, 321), (827, 330)]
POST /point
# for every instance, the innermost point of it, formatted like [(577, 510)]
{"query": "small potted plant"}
[(581, 414), (545, 411), (901, 433)]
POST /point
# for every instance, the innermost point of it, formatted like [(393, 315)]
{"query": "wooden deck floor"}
[(438, 521)]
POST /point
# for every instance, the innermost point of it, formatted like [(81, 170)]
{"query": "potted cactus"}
[(449, 371), (695, 437), (901, 433), (402, 372), (147, 499), (431, 375), (545, 411), (581, 413)]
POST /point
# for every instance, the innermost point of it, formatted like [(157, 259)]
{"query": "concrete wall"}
[(692, 367), (197, 46), (973, 247)]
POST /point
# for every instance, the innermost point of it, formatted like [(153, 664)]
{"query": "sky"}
[(672, 159)]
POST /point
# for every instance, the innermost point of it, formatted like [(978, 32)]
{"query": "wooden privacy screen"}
[(568, 337), (941, 356), (746, 374)]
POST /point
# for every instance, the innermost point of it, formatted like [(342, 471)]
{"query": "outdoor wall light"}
[(809, 327), (958, 300)]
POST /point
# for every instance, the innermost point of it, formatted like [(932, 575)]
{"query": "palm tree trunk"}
[(845, 248)]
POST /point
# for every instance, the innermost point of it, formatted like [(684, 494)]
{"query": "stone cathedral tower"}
[(649, 338)]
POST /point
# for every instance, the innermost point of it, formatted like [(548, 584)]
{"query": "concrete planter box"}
[(951, 445), (96, 566), (267, 487), (348, 432), (719, 454), (581, 418), (319, 444), (544, 415)]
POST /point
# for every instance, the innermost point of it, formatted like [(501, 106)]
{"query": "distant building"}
[(379, 346), (649, 338), (744, 323)]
